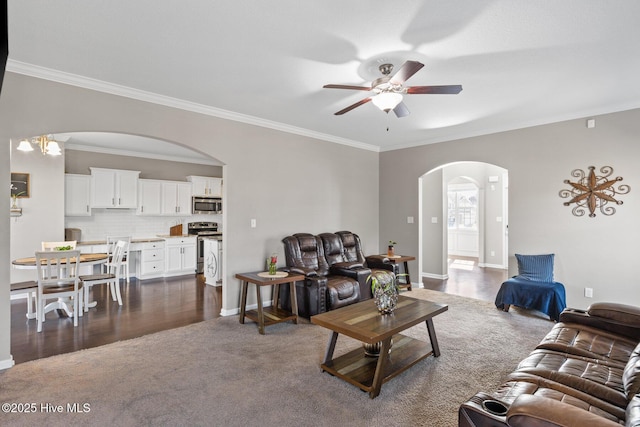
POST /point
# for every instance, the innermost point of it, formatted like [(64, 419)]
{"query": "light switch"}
[(434, 220), (253, 223), (409, 220), (498, 219)]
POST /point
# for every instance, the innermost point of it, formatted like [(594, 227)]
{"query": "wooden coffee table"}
[(363, 322)]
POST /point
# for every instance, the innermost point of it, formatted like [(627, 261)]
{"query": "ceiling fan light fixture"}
[(387, 101)]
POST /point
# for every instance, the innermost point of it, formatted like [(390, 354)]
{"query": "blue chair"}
[(533, 287)]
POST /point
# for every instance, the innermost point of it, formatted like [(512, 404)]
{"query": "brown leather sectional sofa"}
[(585, 372), (335, 271)]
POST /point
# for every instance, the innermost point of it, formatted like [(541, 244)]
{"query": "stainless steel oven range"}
[(202, 230)]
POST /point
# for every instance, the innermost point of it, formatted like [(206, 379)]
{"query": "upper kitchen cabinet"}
[(206, 186), (150, 197), (164, 198), (176, 198), (77, 195), (114, 188)]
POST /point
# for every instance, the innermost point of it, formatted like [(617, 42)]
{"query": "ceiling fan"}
[(388, 90)]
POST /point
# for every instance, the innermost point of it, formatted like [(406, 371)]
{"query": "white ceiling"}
[(520, 62)]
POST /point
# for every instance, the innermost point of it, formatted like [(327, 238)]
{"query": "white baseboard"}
[(6, 364), (234, 311), (435, 276), (225, 313), (498, 266)]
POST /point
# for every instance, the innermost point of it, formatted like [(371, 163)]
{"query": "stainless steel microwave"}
[(206, 205)]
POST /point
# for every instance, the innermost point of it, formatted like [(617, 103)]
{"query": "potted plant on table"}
[(385, 289)]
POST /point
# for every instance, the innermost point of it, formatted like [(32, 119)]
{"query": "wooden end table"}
[(274, 314), (363, 322), (396, 259)]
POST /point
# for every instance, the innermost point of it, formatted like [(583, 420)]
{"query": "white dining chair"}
[(30, 289), (111, 241), (57, 278), (111, 277)]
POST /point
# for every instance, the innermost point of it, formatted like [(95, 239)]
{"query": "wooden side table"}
[(273, 314), (404, 259)]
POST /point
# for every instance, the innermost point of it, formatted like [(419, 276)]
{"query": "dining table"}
[(29, 263)]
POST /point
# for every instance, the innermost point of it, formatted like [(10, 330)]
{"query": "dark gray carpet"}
[(220, 372)]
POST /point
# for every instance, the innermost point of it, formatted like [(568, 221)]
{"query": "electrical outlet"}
[(253, 223), (588, 292)]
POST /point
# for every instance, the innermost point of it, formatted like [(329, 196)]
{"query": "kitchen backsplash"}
[(105, 222)]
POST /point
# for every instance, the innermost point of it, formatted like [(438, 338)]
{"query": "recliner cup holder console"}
[(494, 407)]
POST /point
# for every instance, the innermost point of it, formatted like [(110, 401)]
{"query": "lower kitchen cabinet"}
[(180, 255), (151, 260)]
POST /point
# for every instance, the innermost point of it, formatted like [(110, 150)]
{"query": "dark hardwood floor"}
[(468, 280), (148, 306), (155, 305)]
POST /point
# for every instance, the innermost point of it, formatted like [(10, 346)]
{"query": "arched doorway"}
[(45, 219), (463, 213)]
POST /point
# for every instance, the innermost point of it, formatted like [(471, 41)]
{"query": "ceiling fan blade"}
[(407, 70), (346, 87), (449, 89), (401, 110), (352, 106)]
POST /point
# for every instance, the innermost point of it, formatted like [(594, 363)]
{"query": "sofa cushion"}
[(342, 291), (519, 383), (586, 341), (631, 376), (633, 412), (595, 377), (538, 268), (619, 313)]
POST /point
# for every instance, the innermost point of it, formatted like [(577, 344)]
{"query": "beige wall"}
[(590, 252), (77, 161), (288, 183)]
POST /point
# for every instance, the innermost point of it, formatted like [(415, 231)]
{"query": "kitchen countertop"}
[(158, 238), (104, 242)]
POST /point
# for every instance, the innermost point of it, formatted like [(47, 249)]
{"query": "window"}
[(463, 207)]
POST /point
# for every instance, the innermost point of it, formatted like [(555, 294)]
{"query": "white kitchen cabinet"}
[(152, 257), (206, 186), (77, 195), (180, 255), (149, 197), (114, 188), (176, 198)]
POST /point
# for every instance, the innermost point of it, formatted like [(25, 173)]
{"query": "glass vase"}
[(386, 298)]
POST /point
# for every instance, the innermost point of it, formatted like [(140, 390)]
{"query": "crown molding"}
[(127, 92)]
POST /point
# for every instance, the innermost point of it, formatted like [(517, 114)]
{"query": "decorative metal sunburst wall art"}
[(592, 192)]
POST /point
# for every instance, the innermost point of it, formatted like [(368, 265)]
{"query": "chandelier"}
[(47, 145)]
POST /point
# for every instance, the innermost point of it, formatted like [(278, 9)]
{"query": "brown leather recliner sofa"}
[(585, 372), (335, 276)]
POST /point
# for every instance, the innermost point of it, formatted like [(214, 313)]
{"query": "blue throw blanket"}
[(548, 298)]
